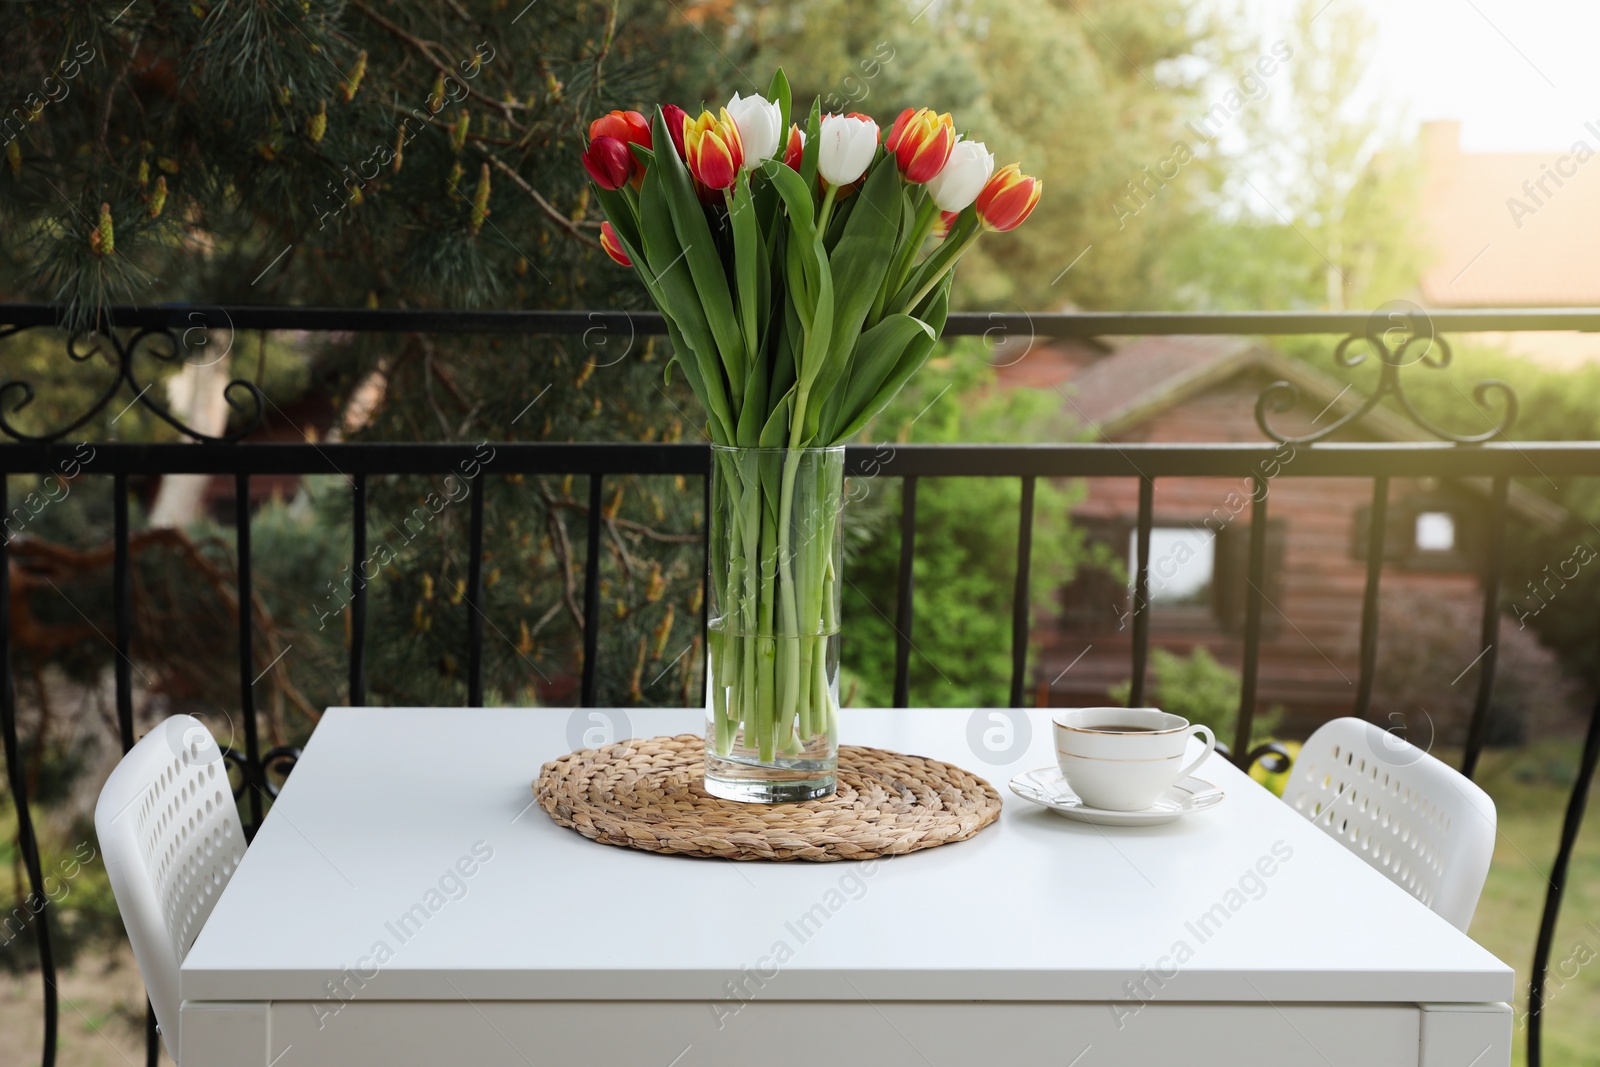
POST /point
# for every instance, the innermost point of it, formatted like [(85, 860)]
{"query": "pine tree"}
[(373, 154)]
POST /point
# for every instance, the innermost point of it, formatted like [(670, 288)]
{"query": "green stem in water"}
[(789, 701), (767, 654), (750, 709)]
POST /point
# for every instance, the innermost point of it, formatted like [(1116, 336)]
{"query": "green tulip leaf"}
[(622, 216), (808, 155), (778, 93), (775, 431), (674, 292), (911, 360), (700, 252), (861, 258), (746, 254), (877, 353)]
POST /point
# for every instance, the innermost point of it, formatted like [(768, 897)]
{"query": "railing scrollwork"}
[(1400, 334), (123, 347)]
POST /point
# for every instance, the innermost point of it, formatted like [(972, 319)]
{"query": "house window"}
[(1231, 595), (1435, 532), (1197, 577), (1429, 529), (1182, 563)]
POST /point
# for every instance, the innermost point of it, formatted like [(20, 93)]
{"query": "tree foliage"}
[(399, 154), (964, 564), (1091, 97), (383, 155)]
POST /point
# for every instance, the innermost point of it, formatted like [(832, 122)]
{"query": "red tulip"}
[(609, 162), (921, 141), (677, 120), (1008, 198), (629, 127), (795, 150), (713, 150), (946, 220), (610, 168), (613, 245)]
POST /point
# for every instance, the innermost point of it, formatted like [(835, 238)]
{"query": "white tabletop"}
[(387, 802)]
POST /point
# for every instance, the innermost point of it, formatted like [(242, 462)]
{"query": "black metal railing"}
[(1455, 457)]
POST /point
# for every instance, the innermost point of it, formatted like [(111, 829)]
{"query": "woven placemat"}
[(649, 794)]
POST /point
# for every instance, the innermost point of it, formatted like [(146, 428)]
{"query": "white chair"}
[(170, 837), (1421, 823)]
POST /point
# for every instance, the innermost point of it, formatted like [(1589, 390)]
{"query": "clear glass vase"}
[(772, 711)]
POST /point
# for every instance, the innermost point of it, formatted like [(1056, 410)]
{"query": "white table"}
[(404, 904)]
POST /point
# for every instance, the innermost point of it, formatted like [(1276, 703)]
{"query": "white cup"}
[(1122, 759)]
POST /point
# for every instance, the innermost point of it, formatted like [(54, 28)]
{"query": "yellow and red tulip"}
[(942, 224), (921, 140), (613, 245), (795, 150), (1008, 198), (713, 150)]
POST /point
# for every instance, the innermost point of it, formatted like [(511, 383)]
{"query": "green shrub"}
[(1202, 690)]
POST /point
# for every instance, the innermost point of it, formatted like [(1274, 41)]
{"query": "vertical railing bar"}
[(1141, 592), (1254, 596), (122, 609), (247, 687), (1489, 631), (904, 591), (1570, 825), (27, 843), (1376, 534), (122, 669), (705, 590), (475, 597), (358, 589), (591, 593), (1020, 608)]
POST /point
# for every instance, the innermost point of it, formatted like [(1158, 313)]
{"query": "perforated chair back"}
[(1421, 823), (170, 837)]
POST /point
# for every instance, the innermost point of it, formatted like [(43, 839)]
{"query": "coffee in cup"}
[(1123, 759)]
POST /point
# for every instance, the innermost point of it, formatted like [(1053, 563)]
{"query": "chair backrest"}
[(170, 837), (1421, 823)]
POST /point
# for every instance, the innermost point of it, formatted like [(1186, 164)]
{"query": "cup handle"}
[(1211, 746)]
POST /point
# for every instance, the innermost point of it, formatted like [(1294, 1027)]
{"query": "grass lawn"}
[(1530, 786)]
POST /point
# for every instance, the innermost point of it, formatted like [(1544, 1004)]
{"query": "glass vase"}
[(772, 710)]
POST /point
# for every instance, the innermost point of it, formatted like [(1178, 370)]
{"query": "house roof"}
[(1149, 375), (1498, 242)]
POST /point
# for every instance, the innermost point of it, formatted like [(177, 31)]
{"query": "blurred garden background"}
[(424, 154)]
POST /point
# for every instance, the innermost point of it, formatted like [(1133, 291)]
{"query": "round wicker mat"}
[(649, 794)]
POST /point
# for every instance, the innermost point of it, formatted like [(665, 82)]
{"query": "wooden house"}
[(1204, 390)]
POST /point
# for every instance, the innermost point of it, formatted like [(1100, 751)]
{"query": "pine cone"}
[(102, 239)]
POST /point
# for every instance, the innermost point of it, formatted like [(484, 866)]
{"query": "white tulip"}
[(845, 148), (963, 177), (760, 127)]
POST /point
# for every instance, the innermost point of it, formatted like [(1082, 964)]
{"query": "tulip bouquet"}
[(789, 261)]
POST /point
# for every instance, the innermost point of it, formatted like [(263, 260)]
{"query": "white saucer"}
[(1047, 788)]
